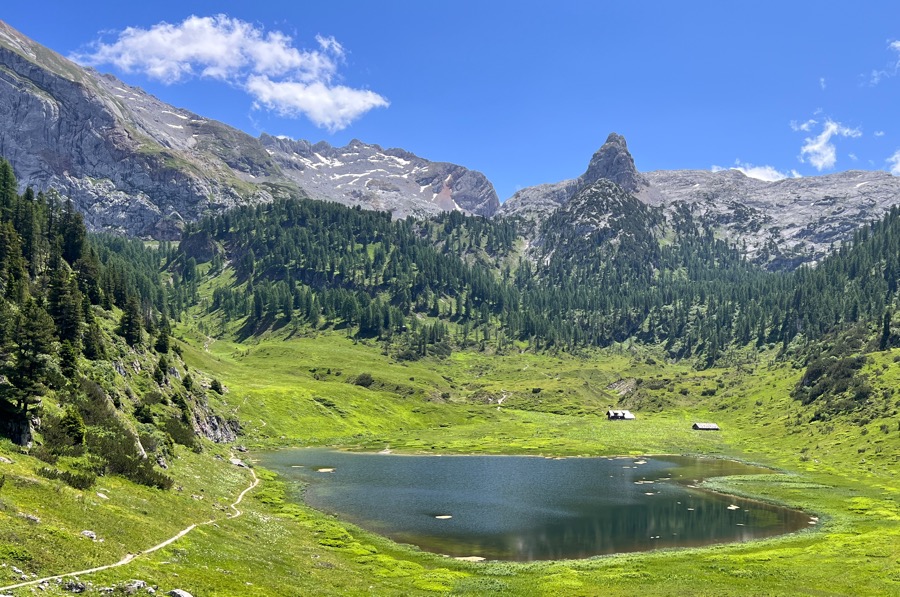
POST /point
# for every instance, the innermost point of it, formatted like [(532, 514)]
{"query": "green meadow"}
[(303, 391)]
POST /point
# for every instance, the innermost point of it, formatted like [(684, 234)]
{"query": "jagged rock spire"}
[(613, 162)]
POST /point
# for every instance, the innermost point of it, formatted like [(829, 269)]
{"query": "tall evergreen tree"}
[(131, 322), (27, 367)]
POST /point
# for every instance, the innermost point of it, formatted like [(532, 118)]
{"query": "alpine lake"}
[(527, 508)]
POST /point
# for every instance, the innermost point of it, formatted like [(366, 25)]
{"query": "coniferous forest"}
[(419, 287), (460, 281), (75, 309)]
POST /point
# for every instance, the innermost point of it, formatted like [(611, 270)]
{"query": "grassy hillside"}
[(299, 392)]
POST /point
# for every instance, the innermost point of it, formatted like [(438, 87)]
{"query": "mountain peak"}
[(613, 162)]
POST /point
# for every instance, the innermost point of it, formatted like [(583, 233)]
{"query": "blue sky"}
[(523, 91)]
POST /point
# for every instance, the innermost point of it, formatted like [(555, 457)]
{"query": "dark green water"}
[(530, 508)]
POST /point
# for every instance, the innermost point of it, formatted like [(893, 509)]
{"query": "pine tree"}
[(64, 305), (130, 324), (73, 233), (163, 341), (26, 371), (885, 341)]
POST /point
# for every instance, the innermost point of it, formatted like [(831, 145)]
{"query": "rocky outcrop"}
[(391, 180), (212, 426), (779, 225), (16, 428), (612, 162)]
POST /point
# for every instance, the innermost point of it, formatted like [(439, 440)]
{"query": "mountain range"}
[(133, 164)]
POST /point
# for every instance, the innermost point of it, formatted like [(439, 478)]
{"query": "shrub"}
[(73, 478), (12, 552), (364, 380), (145, 474)]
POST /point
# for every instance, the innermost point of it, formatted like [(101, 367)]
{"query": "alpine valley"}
[(177, 297)]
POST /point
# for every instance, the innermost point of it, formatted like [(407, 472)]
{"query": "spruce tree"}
[(130, 324), (27, 368), (64, 305)]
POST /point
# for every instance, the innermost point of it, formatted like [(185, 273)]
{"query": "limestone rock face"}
[(391, 180), (779, 225), (136, 165), (612, 162)]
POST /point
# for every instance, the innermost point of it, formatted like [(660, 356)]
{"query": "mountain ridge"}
[(778, 225), (136, 165)]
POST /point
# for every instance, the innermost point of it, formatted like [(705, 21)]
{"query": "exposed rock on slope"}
[(386, 179), (134, 164), (780, 225), (611, 162), (129, 162)]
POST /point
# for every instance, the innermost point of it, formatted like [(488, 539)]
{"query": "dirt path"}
[(132, 556)]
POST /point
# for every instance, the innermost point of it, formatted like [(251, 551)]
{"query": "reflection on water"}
[(527, 508)]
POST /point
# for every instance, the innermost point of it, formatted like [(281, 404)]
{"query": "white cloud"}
[(766, 173), (820, 150), (332, 107), (879, 133), (822, 83), (803, 126), (894, 163), (265, 64), (891, 69), (852, 156)]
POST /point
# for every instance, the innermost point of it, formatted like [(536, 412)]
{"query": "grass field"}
[(299, 391)]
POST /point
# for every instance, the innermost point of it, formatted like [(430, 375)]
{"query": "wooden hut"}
[(619, 415), (705, 427)]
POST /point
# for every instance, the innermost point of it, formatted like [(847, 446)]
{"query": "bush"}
[(77, 479), (145, 474), (364, 380), (12, 552)]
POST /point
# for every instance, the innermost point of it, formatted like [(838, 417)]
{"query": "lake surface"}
[(532, 508)]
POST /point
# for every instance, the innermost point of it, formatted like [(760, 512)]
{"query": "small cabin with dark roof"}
[(619, 415), (705, 427)]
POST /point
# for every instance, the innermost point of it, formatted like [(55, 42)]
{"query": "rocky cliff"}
[(386, 179), (136, 165), (779, 225), (612, 162)]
